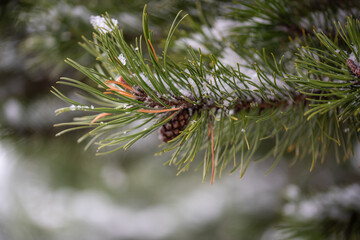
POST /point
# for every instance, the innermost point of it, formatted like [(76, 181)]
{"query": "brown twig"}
[(211, 130)]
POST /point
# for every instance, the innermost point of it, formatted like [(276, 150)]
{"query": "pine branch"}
[(265, 24), (201, 105)]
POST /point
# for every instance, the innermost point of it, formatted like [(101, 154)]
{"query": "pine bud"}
[(355, 69), (139, 94)]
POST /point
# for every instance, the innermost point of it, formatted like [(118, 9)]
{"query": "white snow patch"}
[(230, 58), (101, 24), (353, 57), (122, 59), (221, 30), (78, 107)]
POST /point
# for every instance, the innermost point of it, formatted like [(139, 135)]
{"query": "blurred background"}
[(50, 188)]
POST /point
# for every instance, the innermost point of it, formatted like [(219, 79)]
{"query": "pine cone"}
[(173, 128)]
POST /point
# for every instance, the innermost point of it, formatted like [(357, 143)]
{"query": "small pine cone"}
[(174, 126)]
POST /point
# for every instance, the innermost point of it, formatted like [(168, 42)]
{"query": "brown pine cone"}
[(174, 126)]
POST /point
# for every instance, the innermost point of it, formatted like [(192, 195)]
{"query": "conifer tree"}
[(292, 83)]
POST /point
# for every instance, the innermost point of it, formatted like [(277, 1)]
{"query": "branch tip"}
[(211, 130)]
